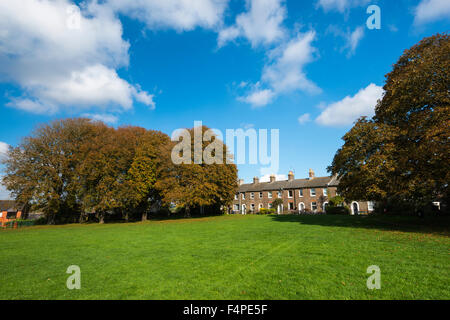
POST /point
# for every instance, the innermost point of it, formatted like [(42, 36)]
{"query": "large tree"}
[(402, 152), (40, 171), (104, 185), (199, 185), (151, 158)]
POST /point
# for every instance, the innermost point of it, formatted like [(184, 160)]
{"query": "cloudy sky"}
[(307, 68)]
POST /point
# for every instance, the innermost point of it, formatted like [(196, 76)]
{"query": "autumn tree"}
[(402, 152), (104, 184), (151, 158), (40, 171), (192, 185), (81, 167)]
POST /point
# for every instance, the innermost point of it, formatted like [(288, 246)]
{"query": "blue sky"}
[(307, 68)]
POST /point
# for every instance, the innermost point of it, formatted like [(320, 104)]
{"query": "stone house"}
[(298, 195)]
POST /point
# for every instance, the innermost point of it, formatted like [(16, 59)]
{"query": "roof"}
[(9, 205), (319, 182)]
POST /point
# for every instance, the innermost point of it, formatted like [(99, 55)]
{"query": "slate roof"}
[(319, 182)]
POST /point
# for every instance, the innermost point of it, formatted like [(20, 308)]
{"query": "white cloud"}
[(181, 15), (393, 28), (284, 72), (4, 147), (304, 118), (340, 5), (226, 35), (261, 24), (349, 109), (104, 117), (4, 194), (431, 10), (61, 64), (247, 125), (352, 38), (258, 98), (279, 177)]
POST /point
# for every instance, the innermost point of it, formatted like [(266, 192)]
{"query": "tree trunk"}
[(51, 218), (144, 216), (126, 217), (101, 218), (187, 212)]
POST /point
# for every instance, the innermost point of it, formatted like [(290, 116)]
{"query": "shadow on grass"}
[(433, 225)]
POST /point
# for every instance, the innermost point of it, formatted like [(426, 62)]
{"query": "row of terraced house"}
[(298, 195)]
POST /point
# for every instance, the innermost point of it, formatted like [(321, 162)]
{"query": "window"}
[(260, 195), (269, 194), (252, 206), (300, 192), (370, 206), (252, 195), (291, 206), (325, 192), (260, 206), (236, 207), (270, 205), (243, 196), (313, 192), (314, 206), (290, 193), (11, 215), (280, 194), (236, 197), (325, 205)]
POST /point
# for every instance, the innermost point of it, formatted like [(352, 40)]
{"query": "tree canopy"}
[(73, 169), (191, 185), (402, 152)]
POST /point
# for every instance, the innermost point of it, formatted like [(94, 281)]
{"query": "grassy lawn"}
[(230, 257)]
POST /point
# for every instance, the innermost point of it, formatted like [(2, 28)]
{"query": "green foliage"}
[(336, 201), (402, 153), (337, 210), (40, 221), (267, 211), (277, 202)]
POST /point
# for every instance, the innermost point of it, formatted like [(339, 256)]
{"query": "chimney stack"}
[(255, 180), (291, 176), (273, 178), (311, 174), (241, 182)]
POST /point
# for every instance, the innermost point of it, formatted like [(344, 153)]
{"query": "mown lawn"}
[(230, 257)]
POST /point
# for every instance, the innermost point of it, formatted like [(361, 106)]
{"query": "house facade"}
[(298, 195), (9, 211)]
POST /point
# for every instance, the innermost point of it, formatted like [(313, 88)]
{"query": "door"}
[(355, 208), (301, 207)]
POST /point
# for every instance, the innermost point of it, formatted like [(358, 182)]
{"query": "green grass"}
[(230, 257)]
